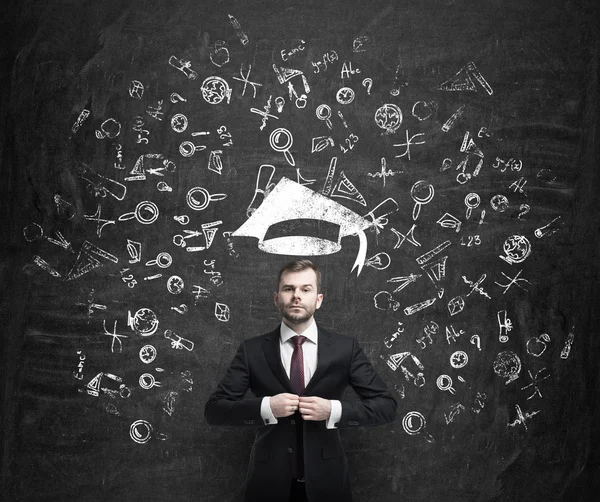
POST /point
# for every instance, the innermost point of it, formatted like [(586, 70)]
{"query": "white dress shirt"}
[(309, 349)]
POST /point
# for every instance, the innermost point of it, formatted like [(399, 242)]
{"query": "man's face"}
[(297, 298)]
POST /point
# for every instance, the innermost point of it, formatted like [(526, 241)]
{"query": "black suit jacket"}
[(257, 366)]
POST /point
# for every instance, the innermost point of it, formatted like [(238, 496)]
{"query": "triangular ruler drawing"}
[(462, 81), (436, 271), (86, 260), (209, 235), (285, 74), (83, 264), (94, 384), (473, 148), (346, 190)]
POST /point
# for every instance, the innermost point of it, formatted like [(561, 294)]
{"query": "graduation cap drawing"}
[(295, 220)]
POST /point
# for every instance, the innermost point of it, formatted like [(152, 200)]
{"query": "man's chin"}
[(296, 319)]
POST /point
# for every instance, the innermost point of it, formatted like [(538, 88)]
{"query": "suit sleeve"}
[(377, 405), (226, 406)]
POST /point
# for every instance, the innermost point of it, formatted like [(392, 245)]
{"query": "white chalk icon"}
[(414, 423), (479, 77), (499, 203), (162, 186), (453, 118), (384, 172), (320, 143), (134, 249), (507, 365), (388, 341), (169, 402), (114, 335), (176, 98), (207, 198), (546, 230), (417, 196), (516, 249), (88, 259), (100, 223), (102, 185), (384, 301), (215, 164), (222, 312), (175, 285), (452, 334), (380, 261), (147, 354), (328, 184), (564, 353), (285, 74), (83, 115), (409, 236), (389, 118), (219, 56), (455, 409), (456, 305), (179, 122), (367, 83), (360, 44), (215, 90), (238, 29), (34, 232), (449, 221), (178, 342), (140, 431), (422, 110), (184, 67), (136, 89), (472, 201), (409, 142), (262, 189), (404, 281), (396, 361), (345, 96), (182, 309), (110, 128), (146, 212), (44, 265), (245, 80), (536, 346), (476, 286), (413, 309), (522, 418), (535, 380), (504, 325), (323, 112), (281, 140), (163, 260), (444, 383), (302, 180), (475, 340), (462, 81), (316, 219), (431, 328), (512, 280), (182, 220), (147, 381), (378, 215), (144, 322), (345, 189), (459, 359), (435, 269)]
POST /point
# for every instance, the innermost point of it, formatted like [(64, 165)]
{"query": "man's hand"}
[(315, 408), (284, 405)]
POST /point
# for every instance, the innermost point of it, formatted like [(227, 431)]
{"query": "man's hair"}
[(299, 266)]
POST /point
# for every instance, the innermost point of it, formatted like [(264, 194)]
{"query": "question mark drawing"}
[(524, 208), (368, 83), (176, 97), (182, 309), (475, 340)]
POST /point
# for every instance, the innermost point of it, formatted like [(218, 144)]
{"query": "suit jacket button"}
[(293, 422), (290, 450), (266, 421), (336, 424)]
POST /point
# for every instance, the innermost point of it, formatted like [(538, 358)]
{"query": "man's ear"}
[(275, 298), (319, 300)]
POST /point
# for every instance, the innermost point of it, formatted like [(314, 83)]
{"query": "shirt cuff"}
[(265, 411), (336, 414)]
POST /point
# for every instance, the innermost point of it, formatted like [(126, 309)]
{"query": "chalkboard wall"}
[(437, 159)]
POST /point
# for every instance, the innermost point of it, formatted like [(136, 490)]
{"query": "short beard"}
[(295, 318)]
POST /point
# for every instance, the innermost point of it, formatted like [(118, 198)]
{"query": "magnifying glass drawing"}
[(323, 112), (206, 198), (416, 192), (444, 383), (281, 140), (146, 212), (472, 201)]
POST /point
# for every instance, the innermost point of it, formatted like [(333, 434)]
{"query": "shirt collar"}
[(311, 332)]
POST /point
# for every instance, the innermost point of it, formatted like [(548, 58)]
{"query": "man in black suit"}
[(298, 373)]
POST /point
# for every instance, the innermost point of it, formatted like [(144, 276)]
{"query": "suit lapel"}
[(325, 353), (273, 356)]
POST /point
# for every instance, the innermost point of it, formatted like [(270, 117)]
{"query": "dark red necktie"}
[(297, 366)]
